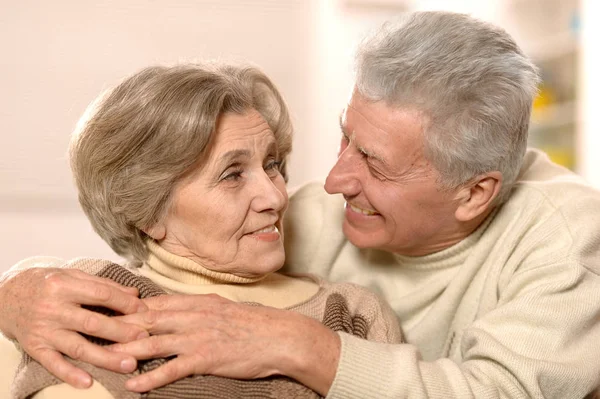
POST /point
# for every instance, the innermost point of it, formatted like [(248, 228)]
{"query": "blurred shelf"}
[(552, 47), (554, 115)]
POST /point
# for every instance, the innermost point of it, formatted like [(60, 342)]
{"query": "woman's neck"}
[(188, 271)]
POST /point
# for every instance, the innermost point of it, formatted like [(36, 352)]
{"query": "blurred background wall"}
[(56, 56)]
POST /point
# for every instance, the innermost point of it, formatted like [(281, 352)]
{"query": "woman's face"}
[(227, 215)]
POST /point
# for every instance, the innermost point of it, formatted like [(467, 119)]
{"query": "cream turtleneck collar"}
[(187, 271), (181, 275)]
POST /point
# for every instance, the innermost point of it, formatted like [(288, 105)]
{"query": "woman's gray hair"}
[(137, 141), (471, 82)]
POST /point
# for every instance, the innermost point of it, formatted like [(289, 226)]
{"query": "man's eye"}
[(273, 165), (375, 173)]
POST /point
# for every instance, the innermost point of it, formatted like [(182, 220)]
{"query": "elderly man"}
[(488, 253)]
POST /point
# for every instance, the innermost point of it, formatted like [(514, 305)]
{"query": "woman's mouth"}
[(268, 233)]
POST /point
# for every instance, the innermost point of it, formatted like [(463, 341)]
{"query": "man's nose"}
[(344, 176)]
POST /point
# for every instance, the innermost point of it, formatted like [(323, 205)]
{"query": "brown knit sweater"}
[(341, 307)]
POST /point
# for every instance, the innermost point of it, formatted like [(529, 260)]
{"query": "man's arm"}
[(41, 310), (541, 341), (212, 335)]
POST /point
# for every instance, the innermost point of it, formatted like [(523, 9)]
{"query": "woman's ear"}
[(157, 232), (475, 198)]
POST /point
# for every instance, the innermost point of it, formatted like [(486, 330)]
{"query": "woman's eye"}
[(232, 176)]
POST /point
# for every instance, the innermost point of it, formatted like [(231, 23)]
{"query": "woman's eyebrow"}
[(226, 159)]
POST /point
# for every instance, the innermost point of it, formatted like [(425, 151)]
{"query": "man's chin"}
[(359, 238)]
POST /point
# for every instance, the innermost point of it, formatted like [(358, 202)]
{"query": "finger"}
[(79, 348), (156, 322), (92, 292), (173, 370), (184, 302), (56, 364), (126, 289), (101, 326), (151, 347)]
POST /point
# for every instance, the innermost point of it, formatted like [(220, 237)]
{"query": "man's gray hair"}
[(471, 81), (135, 143)]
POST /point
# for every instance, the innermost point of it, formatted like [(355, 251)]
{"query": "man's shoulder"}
[(311, 204), (555, 209), (312, 228), (313, 190), (555, 182)]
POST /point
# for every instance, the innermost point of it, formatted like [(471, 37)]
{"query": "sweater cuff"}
[(365, 370)]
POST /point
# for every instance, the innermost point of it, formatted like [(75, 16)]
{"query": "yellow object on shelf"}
[(562, 156), (544, 98)]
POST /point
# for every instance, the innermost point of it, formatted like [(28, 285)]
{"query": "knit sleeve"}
[(540, 341), (28, 263)]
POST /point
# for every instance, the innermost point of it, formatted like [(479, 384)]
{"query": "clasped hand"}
[(206, 334)]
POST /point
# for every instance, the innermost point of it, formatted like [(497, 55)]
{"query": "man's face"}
[(393, 201)]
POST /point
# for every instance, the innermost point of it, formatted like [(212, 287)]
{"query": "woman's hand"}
[(212, 335), (41, 309)]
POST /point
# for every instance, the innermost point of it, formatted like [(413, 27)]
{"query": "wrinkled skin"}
[(43, 305), (207, 333), (212, 335)]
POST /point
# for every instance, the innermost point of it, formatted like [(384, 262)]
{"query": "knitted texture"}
[(341, 307)]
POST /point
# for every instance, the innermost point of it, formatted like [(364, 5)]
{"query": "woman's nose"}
[(271, 193)]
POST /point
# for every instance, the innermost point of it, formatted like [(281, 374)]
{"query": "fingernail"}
[(127, 364), (142, 308)]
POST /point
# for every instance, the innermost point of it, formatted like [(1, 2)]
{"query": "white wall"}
[(589, 83)]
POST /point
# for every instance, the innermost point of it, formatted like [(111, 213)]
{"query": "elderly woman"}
[(182, 170)]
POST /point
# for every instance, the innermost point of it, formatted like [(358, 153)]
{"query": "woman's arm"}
[(41, 309)]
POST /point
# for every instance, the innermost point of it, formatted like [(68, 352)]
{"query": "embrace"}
[(442, 258)]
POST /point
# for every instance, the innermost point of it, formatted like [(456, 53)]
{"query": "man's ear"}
[(158, 231), (475, 198)]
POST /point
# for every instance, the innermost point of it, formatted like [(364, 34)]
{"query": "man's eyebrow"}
[(363, 150)]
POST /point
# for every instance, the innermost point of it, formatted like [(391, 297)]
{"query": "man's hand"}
[(212, 335), (41, 309)]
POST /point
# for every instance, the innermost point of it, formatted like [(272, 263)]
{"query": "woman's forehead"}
[(242, 135)]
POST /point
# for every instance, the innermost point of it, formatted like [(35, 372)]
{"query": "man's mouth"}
[(361, 210)]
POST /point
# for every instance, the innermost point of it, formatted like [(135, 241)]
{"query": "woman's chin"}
[(261, 268)]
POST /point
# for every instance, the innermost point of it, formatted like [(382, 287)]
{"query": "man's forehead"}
[(383, 131), (368, 147)]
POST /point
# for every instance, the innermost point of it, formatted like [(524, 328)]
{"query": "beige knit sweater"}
[(342, 307), (512, 311)]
